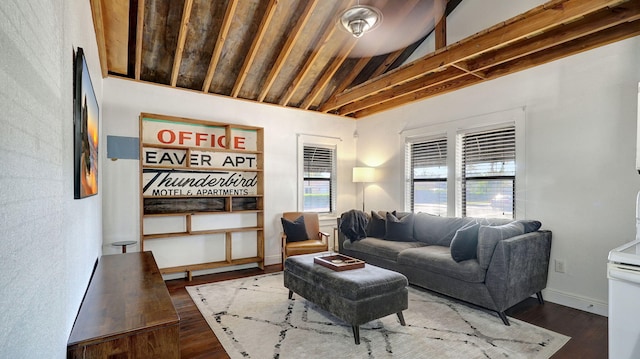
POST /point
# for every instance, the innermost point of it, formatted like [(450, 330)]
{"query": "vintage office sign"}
[(190, 158), (199, 135), (161, 157), (180, 183)]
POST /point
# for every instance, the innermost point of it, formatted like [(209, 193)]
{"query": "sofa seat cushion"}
[(438, 259), (380, 247)]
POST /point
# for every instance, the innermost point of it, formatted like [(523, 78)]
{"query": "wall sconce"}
[(363, 175)]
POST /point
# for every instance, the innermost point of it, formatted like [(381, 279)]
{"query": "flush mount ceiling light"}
[(360, 19)]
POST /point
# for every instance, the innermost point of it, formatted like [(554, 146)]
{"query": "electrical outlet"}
[(559, 266)]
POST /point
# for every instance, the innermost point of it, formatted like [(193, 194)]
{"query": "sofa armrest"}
[(519, 268), (341, 237)]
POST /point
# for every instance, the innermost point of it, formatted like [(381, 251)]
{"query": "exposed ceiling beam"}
[(588, 42), (328, 73), (255, 45), (139, 37), (217, 50), (592, 23), (320, 45), (587, 25), (386, 63), (182, 37), (441, 33), (522, 26), (286, 49), (98, 24)]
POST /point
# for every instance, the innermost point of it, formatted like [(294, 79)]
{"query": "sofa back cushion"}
[(399, 229), (489, 236), (377, 225), (436, 230)]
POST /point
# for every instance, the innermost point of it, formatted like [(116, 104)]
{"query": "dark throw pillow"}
[(399, 229), (464, 245), (530, 225), (377, 226), (295, 230)]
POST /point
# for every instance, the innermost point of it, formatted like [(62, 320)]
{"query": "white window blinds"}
[(488, 169), (427, 164), (319, 178)]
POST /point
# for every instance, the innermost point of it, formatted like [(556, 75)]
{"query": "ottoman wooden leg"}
[(401, 318), (290, 294), (356, 333)]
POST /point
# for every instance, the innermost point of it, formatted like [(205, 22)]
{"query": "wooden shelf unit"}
[(192, 168)]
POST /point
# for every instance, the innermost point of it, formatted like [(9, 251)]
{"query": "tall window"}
[(427, 175), (319, 178), (488, 173)]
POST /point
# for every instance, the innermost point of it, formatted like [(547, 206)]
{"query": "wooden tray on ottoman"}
[(339, 262)]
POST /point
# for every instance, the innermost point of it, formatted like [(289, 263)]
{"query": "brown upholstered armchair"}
[(316, 241)]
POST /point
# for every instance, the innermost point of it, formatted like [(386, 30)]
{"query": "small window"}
[(427, 175), (319, 179), (488, 173)]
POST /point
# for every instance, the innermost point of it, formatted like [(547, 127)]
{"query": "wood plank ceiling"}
[(292, 53)]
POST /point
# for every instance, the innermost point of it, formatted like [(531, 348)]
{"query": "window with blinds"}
[(488, 173), (427, 164), (319, 179)]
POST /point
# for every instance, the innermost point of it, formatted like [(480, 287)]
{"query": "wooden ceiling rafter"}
[(363, 62), (429, 80), (520, 27), (217, 50), (298, 57), (255, 45), (392, 56), (182, 38), (287, 48), (388, 61), (592, 23), (139, 37), (320, 46), (440, 33), (351, 76), (588, 42), (601, 38), (98, 25), (328, 73)]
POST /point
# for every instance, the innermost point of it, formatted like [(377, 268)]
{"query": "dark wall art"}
[(85, 124)]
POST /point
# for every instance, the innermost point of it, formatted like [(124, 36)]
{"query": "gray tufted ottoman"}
[(356, 296)]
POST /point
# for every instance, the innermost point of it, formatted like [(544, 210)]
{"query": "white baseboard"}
[(575, 301), (276, 259)]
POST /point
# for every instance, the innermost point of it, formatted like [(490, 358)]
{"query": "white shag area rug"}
[(253, 318)]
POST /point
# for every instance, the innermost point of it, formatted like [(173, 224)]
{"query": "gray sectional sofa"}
[(493, 263)]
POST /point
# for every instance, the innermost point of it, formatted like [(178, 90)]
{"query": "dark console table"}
[(126, 313)]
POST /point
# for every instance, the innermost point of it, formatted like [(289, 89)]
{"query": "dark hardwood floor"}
[(588, 331)]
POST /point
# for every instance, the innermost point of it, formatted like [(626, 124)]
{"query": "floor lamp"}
[(363, 175)]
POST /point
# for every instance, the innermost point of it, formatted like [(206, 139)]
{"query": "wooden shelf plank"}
[(210, 265), (204, 213), (202, 232)]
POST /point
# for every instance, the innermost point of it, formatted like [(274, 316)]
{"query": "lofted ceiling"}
[(292, 52)]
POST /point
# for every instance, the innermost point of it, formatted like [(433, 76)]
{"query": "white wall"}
[(580, 180), (49, 240), (125, 100)]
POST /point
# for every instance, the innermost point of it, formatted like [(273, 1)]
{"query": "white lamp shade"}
[(363, 174)]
